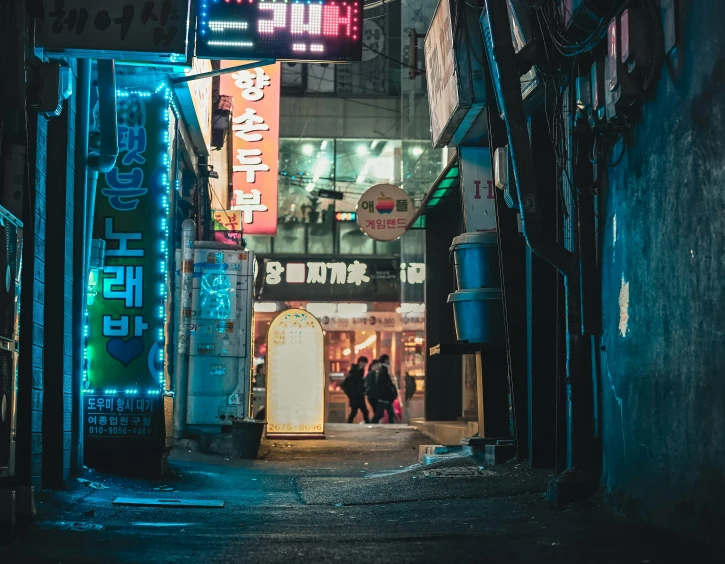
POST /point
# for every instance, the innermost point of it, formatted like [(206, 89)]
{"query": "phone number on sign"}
[(119, 431), (294, 428)]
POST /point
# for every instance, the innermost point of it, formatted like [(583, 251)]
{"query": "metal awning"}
[(442, 188)]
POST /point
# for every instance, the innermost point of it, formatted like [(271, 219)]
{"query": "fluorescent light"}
[(321, 308), (417, 151), (308, 149), (265, 307), (361, 150), (351, 309)]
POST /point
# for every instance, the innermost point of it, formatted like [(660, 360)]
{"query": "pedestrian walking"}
[(386, 391), (370, 384), (354, 389)]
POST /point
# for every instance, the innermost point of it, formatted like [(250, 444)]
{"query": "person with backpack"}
[(370, 384), (354, 389), (386, 391)]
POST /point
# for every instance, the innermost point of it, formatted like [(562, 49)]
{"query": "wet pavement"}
[(357, 496)]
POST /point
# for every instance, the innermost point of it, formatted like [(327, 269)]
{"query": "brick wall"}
[(58, 375), (29, 446)]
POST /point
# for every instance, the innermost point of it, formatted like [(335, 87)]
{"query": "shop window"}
[(290, 238), (320, 239), (353, 241), (389, 248), (259, 243)]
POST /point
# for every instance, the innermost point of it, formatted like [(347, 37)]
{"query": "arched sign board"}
[(295, 377)]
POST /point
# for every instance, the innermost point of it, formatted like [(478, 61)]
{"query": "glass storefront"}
[(349, 166), (379, 329)]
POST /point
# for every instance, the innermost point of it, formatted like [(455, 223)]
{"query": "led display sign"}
[(256, 29)]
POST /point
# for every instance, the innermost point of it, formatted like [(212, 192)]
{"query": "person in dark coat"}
[(370, 384), (387, 392), (354, 389)]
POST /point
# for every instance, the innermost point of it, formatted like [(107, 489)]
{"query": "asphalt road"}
[(358, 496)]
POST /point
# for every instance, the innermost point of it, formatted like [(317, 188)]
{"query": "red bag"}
[(398, 409)]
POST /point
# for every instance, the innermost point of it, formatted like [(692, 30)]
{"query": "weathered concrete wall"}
[(663, 274)]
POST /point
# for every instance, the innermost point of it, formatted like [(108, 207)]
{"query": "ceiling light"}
[(308, 149)]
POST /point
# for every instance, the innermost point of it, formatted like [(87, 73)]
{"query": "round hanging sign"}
[(384, 211)]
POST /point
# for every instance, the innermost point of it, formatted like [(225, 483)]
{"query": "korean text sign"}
[(124, 347), (255, 126), (324, 30), (384, 211), (157, 27)]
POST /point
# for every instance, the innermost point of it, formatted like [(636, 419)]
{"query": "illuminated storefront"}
[(357, 302)]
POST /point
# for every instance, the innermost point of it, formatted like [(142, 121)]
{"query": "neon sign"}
[(320, 30)]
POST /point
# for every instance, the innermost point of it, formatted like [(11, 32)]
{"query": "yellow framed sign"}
[(295, 376)]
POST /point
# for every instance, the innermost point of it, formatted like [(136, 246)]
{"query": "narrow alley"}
[(361, 495)]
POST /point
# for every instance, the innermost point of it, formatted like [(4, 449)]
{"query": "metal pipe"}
[(181, 380), (506, 77), (260, 63), (504, 67), (105, 159), (83, 102)]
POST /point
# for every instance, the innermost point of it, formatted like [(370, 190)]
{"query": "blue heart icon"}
[(125, 351)]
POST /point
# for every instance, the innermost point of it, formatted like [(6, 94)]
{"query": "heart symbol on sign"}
[(125, 351)]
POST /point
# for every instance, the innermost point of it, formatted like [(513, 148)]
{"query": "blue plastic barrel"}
[(478, 315), (475, 256)]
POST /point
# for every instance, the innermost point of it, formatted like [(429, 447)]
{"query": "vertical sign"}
[(125, 331), (479, 204), (255, 126), (295, 376)]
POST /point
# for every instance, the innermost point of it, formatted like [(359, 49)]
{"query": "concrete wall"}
[(663, 229)]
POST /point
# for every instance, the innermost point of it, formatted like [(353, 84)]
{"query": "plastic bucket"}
[(475, 256), (478, 315), (246, 437)]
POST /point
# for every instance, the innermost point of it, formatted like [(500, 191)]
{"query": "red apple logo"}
[(385, 204)]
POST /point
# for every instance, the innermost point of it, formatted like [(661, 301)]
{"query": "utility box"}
[(220, 335)]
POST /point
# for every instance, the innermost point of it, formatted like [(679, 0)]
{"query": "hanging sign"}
[(295, 376), (323, 279), (155, 30), (325, 30), (256, 94), (384, 212), (479, 203)]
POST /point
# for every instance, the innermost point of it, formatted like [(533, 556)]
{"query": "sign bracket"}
[(218, 72)]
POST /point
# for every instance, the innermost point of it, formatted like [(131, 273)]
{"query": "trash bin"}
[(478, 315), (246, 436), (475, 257)]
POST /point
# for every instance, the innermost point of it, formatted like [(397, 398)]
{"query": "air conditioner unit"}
[(10, 266)]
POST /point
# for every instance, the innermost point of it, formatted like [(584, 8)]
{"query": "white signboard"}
[(479, 204), (374, 321), (370, 321), (384, 211), (441, 72), (295, 376)]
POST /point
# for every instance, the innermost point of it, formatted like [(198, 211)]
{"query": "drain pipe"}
[(80, 189), (105, 159), (181, 368), (505, 74)]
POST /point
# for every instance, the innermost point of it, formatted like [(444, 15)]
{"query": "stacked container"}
[(477, 305)]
